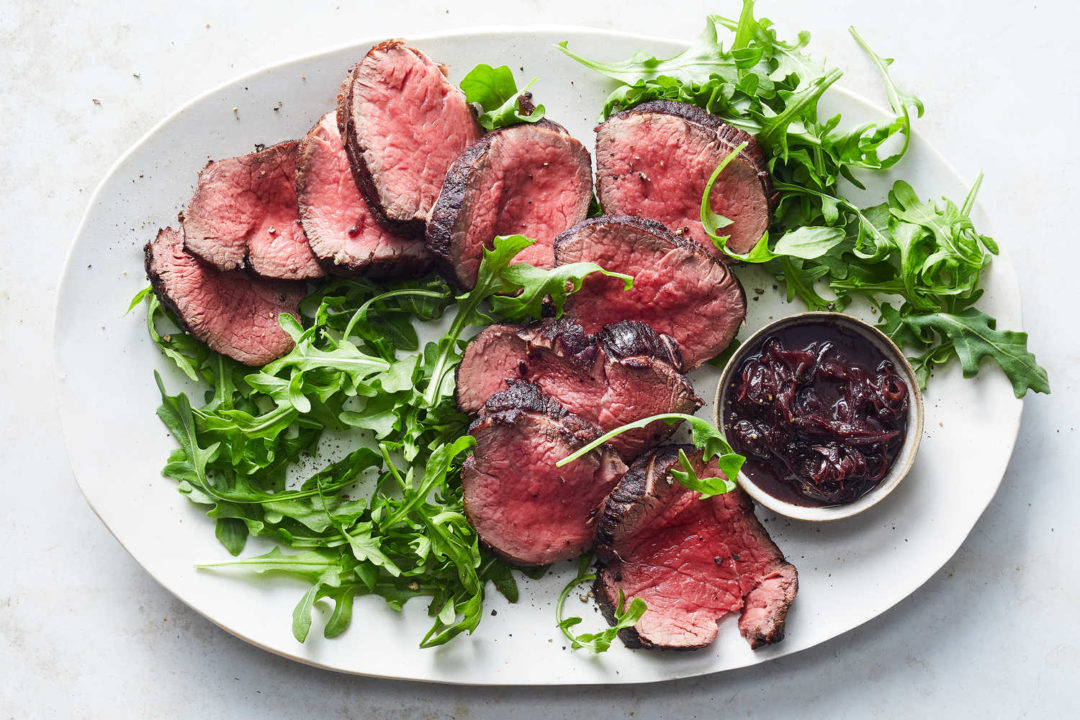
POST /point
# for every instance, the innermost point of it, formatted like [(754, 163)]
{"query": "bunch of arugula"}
[(356, 364), (919, 264)]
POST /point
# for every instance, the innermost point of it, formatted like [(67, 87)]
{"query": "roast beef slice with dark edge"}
[(236, 314), (679, 288), (623, 374), (340, 227), (523, 507), (244, 214), (529, 179), (654, 161), (692, 561), (403, 124)]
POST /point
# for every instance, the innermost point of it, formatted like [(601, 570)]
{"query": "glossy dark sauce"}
[(819, 413)]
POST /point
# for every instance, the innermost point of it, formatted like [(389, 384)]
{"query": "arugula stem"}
[(468, 306), (390, 466), (669, 418), (438, 372), (560, 603), (969, 201), (707, 213), (362, 311)]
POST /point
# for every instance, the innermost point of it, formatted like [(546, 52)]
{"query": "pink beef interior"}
[(234, 313), (244, 212), (694, 561), (677, 291), (335, 217), (411, 123), (656, 166), (639, 389), (491, 358), (535, 181), (521, 505)]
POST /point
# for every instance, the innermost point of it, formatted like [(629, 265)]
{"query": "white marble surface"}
[(84, 632)]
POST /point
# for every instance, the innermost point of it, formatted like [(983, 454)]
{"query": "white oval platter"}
[(850, 570)]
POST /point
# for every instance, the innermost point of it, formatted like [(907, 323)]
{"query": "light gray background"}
[(84, 632)]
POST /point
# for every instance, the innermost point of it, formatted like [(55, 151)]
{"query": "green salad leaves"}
[(387, 518), (495, 90), (918, 263)]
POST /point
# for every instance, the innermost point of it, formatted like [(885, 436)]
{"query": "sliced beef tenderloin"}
[(403, 124), (340, 227), (623, 374), (522, 506), (679, 289), (528, 179), (502, 353), (244, 214), (654, 161), (234, 313), (692, 561), (644, 374)]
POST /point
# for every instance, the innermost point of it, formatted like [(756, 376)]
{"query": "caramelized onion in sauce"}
[(819, 413)]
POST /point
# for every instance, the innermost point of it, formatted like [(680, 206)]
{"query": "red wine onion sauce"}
[(819, 413)]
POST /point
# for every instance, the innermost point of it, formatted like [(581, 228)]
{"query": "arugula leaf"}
[(232, 533), (305, 355), (321, 568), (899, 101), (494, 90), (704, 435), (343, 606), (625, 616), (699, 63), (973, 335), (706, 487), (809, 243), (188, 354), (175, 414), (138, 299), (539, 286), (308, 565)]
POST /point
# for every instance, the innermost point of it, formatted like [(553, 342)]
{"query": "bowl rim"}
[(903, 463)]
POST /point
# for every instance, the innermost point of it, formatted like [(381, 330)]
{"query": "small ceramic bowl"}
[(910, 448)]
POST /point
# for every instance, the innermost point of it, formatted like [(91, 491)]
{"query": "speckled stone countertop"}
[(84, 632)]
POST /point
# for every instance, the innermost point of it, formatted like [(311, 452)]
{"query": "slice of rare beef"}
[(522, 506), (340, 228), (623, 374), (234, 313), (654, 161), (679, 289), (403, 124), (244, 214), (692, 561), (528, 179)]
